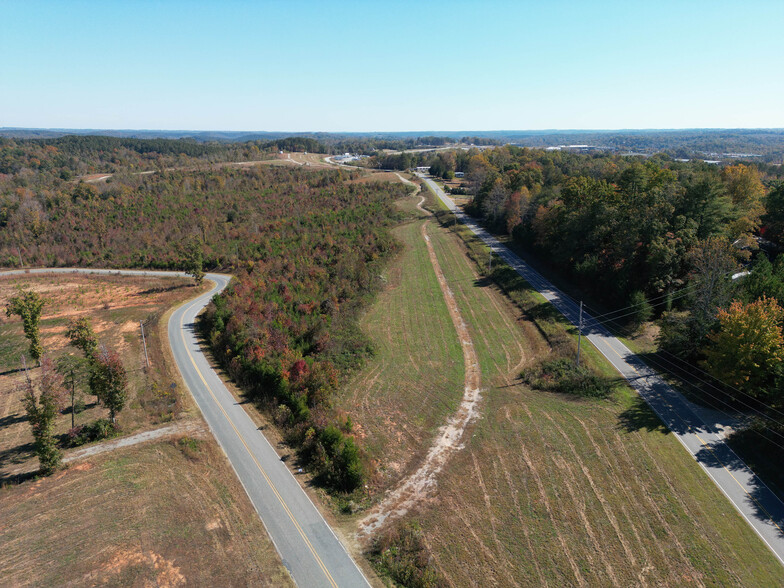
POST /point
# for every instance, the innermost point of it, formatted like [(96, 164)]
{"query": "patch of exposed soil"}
[(167, 575)]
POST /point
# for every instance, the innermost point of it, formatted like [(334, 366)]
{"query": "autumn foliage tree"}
[(42, 409), (109, 381), (747, 191), (747, 350)]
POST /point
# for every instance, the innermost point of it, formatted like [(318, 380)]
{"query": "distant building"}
[(459, 174), (423, 169)]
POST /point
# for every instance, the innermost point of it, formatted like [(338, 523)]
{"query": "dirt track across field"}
[(416, 487), (193, 428)]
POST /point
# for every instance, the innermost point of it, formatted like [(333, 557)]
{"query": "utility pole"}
[(73, 399), (146, 358), (579, 333)]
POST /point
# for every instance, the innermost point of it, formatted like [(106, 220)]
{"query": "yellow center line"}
[(253, 457)]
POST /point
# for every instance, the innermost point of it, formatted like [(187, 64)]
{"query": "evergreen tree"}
[(28, 306), (195, 262), (82, 336)]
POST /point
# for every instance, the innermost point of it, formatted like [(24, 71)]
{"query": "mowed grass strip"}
[(552, 490), (416, 378), (163, 514), (501, 348)]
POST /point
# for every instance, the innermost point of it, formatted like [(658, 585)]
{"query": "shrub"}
[(562, 375), (95, 431), (190, 447), (401, 554)]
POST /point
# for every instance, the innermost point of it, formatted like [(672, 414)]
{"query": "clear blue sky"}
[(391, 66)]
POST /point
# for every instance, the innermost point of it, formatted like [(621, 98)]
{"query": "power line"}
[(600, 318), (694, 367), (655, 300), (750, 407), (658, 365), (707, 383), (768, 406)]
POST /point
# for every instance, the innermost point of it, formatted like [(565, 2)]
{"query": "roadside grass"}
[(415, 380), (115, 305), (554, 490), (501, 350), (164, 514), (551, 491)]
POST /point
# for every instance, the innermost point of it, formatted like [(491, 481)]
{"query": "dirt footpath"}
[(417, 486)]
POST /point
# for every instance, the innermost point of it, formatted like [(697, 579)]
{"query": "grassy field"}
[(415, 380), (553, 490), (163, 514), (115, 305)]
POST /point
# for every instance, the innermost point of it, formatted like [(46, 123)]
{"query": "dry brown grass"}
[(163, 514), (114, 304)]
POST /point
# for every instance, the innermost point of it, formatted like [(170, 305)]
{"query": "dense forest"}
[(305, 247), (692, 246), (41, 161), (766, 144)]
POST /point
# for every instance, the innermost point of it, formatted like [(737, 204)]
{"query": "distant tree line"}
[(306, 248)]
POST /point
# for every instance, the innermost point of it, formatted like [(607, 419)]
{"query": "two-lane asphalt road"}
[(309, 548), (704, 441)]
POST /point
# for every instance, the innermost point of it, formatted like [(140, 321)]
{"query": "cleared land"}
[(167, 512), (163, 514), (115, 305), (549, 490), (415, 381)]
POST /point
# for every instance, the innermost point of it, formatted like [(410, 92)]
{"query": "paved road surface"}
[(307, 545), (704, 441)]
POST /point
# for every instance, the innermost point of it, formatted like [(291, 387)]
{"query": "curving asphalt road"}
[(309, 548), (703, 440)]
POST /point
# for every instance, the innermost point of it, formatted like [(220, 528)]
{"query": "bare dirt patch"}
[(140, 516), (166, 574)]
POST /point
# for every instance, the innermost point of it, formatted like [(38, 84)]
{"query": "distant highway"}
[(309, 548), (748, 494)]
